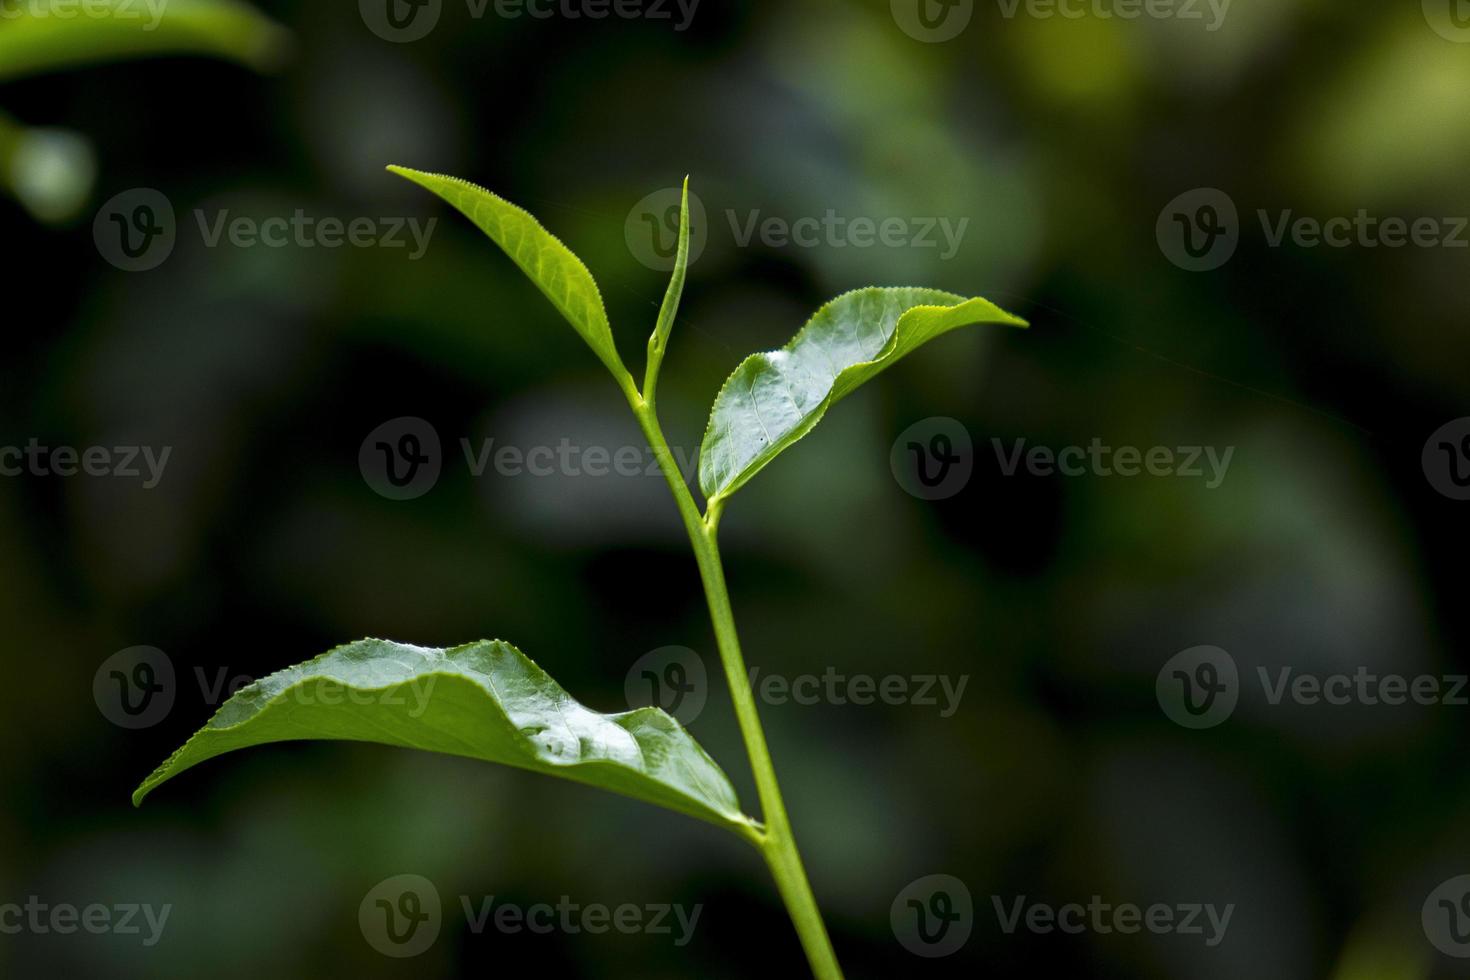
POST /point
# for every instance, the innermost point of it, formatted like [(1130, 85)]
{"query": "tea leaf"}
[(774, 399), (483, 700), (553, 267), (658, 342)]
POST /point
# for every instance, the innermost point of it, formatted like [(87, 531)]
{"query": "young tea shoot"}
[(486, 700)]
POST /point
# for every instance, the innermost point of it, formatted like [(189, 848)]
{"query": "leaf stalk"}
[(777, 843)]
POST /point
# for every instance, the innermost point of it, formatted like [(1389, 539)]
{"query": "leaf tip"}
[(420, 177)]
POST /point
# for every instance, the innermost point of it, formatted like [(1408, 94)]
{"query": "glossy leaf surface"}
[(774, 399), (483, 700)]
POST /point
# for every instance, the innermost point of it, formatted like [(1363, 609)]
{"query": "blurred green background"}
[(1060, 141)]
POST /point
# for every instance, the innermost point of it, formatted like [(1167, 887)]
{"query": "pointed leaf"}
[(553, 267), (670, 309), (774, 399), (483, 700)]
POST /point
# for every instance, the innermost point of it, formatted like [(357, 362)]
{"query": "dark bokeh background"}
[(1060, 777)]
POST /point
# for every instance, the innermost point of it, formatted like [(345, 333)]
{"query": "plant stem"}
[(776, 842)]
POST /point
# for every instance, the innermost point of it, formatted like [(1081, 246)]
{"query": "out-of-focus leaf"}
[(50, 171), (483, 700), (48, 35), (774, 399)]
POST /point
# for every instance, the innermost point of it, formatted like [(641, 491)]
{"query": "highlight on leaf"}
[(774, 399), (483, 700)]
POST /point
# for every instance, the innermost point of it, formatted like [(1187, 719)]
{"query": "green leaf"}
[(553, 267), (483, 700), (670, 309), (774, 399), (38, 38)]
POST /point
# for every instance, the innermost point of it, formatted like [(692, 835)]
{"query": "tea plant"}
[(486, 700)]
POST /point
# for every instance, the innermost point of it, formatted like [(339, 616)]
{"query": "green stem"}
[(776, 842)]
